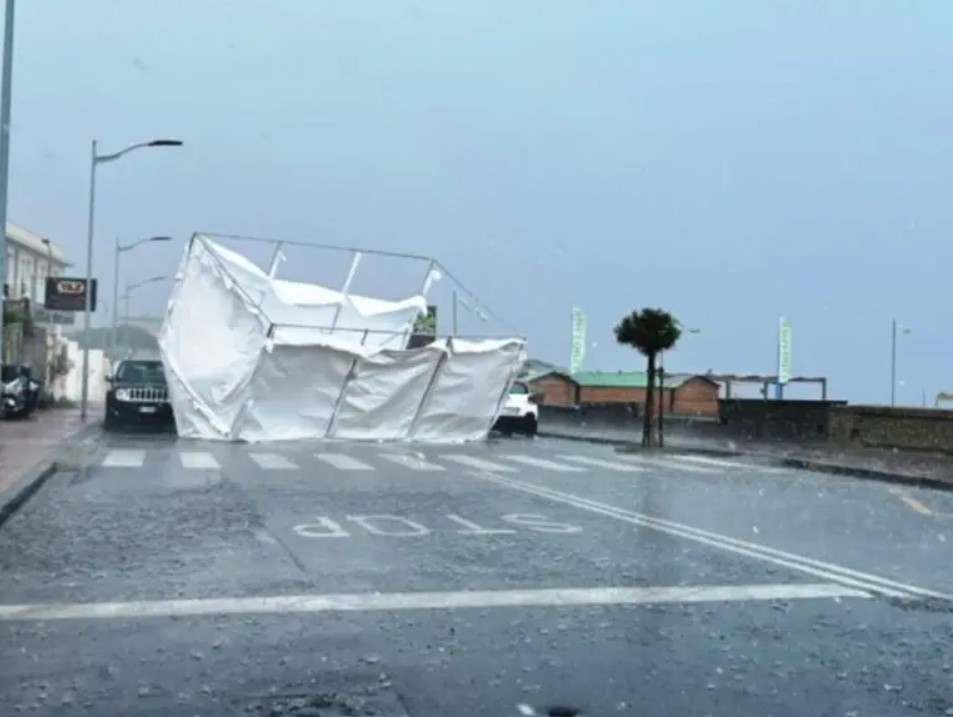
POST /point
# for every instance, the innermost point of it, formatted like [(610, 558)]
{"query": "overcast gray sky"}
[(729, 161)]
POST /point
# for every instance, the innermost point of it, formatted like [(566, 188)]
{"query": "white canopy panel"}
[(250, 357)]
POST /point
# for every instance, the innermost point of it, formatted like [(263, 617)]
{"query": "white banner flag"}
[(784, 351), (578, 354)]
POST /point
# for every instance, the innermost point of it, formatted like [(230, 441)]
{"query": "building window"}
[(25, 277), (39, 286)]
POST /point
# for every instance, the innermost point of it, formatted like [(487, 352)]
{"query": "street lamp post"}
[(6, 93), (96, 160), (129, 289), (120, 248), (661, 389), (893, 359)]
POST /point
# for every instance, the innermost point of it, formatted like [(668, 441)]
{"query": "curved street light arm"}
[(133, 245), (102, 158)]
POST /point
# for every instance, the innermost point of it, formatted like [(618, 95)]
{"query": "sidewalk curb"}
[(635, 446), (601, 440), (868, 473), (800, 463), (12, 499), (26, 486)]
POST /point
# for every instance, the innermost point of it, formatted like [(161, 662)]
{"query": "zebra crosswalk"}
[(367, 461)]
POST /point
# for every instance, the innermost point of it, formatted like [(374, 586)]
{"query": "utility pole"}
[(454, 313), (893, 363), (661, 400), (6, 94)]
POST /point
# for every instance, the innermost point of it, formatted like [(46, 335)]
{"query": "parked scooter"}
[(20, 393)]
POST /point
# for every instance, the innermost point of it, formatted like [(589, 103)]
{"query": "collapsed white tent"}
[(249, 357)]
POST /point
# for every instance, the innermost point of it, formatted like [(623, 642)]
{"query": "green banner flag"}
[(578, 340)]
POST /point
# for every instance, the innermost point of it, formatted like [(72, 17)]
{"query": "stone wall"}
[(924, 429), (777, 420), (606, 415)]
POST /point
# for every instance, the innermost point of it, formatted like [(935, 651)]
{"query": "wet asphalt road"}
[(192, 579)]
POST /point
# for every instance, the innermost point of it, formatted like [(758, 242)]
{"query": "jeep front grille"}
[(148, 394)]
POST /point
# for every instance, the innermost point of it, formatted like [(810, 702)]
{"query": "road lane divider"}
[(603, 463), (198, 460), (124, 458), (719, 463), (343, 462), (668, 464), (535, 462), (368, 602), (272, 462), (809, 566)]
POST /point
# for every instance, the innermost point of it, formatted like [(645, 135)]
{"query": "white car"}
[(520, 412)]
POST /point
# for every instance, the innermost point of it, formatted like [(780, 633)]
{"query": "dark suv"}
[(138, 395)]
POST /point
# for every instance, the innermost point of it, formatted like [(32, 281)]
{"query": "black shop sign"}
[(65, 293)]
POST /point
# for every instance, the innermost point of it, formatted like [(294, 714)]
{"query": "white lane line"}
[(412, 462), (602, 463), (670, 465), (198, 460), (272, 462), (478, 463), (543, 463), (718, 462), (124, 458), (343, 462), (800, 563), (554, 597)]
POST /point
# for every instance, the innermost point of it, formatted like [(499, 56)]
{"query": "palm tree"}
[(649, 331)]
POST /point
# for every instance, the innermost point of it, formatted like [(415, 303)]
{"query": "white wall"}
[(70, 386)]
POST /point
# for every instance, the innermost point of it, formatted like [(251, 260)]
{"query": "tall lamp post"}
[(132, 287), (95, 161), (661, 388), (6, 92), (120, 248), (894, 328)]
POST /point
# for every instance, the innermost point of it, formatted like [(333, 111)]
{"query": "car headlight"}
[(122, 394)]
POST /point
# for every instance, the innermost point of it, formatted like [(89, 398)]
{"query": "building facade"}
[(684, 395), (30, 259), (32, 336)]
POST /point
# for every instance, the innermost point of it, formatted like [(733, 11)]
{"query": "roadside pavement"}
[(27, 451), (928, 469)]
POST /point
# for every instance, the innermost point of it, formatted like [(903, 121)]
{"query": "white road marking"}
[(412, 462), (543, 463), (669, 464), (397, 526), (471, 528), (272, 461), (323, 528), (602, 463), (717, 462), (800, 563), (198, 460), (124, 458), (556, 597), (343, 462), (478, 463)]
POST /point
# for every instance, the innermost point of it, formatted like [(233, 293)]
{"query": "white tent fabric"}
[(317, 310), (253, 358)]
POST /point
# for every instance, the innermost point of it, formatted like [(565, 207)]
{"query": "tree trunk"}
[(661, 400), (649, 404)]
